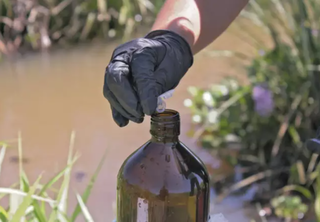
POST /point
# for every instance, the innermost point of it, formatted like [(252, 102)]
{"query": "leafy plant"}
[(270, 118), (290, 207), (39, 24), (32, 202)]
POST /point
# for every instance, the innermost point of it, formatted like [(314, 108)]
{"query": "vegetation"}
[(289, 207), (35, 25), (270, 119), (35, 202)]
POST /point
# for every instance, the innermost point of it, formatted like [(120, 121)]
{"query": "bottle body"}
[(163, 181)]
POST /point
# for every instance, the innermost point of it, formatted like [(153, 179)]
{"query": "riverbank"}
[(48, 95), (55, 90), (38, 25)]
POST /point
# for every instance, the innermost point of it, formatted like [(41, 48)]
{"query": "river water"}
[(47, 95)]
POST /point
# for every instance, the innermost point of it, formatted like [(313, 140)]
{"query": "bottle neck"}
[(165, 127), (156, 139)]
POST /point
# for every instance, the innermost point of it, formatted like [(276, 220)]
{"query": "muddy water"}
[(46, 96)]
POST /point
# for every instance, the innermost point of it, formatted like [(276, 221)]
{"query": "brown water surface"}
[(46, 96)]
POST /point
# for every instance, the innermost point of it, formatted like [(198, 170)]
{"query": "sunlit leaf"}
[(20, 193), (84, 209), (57, 177), (2, 154), (87, 191), (304, 191), (63, 192), (25, 203), (40, 214), (3, 215)]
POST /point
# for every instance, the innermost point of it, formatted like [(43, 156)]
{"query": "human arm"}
[(142, 69), (199, 21)]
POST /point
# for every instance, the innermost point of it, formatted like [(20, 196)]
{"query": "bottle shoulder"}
[(157, 165)]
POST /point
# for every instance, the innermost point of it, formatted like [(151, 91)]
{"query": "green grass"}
[(31, 201)]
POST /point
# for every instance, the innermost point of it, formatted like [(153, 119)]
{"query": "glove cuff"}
[(182, 42)]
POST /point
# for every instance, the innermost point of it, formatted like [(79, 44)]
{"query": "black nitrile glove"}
[(143, 69)]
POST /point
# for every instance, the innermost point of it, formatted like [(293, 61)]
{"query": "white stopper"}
[(161, 100)]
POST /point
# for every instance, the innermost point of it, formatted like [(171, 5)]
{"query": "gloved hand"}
[(141, 70)]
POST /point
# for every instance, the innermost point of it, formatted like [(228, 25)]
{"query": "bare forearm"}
[(199, 21)]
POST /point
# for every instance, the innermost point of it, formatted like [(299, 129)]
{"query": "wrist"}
[(182, 27), (176, 40)]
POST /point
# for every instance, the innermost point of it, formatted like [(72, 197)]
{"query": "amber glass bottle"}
[(163, 181)]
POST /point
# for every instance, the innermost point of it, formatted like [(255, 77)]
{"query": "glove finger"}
[(118, 118), (142, 67), (116, 106), (117, 79)]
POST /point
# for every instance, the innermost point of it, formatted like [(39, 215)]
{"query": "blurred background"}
[(248, 105)]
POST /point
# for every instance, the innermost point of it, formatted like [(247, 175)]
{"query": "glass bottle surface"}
[(163, 180)]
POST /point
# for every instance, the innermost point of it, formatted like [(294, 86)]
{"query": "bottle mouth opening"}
[(168, 115)]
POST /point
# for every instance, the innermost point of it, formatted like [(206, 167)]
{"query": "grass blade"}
[(284, 126), (21, 193), (84, 209), (38, 212), (20, 160), (249, 180), (312, 162), (3, 215), (301, 172), (14, 203), (2, 154), (25, 203), (25, 182), (91, 18), (63, 192), (294, 135), (87, 191), (57, 177), (12, 187), (304, 191)]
